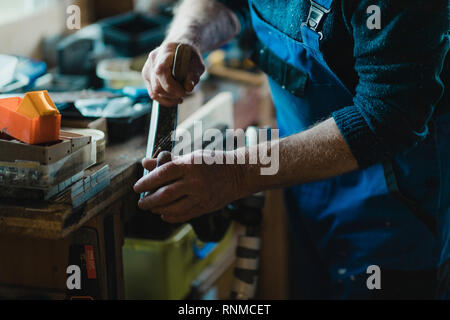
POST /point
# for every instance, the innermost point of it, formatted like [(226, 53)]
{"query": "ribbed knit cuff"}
[(361, 140)]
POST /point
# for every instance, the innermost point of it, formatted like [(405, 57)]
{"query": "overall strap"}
[(286, 75), (317, 12), (327, 4)]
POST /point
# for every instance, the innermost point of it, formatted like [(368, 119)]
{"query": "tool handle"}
[(181, 63)]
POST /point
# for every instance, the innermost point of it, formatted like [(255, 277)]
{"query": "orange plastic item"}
[(33, 119)]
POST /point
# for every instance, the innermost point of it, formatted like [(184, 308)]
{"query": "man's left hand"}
[(182, 189)]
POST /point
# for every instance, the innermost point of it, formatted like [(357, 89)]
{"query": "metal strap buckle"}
[(315, 16)]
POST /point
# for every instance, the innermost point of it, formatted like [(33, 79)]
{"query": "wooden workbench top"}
[(52, 220)]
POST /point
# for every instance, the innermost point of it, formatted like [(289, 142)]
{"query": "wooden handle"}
[(181, 62)]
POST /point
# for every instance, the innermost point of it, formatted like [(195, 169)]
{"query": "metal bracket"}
[(315, 16)]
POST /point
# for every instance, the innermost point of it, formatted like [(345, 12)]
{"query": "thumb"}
[(189, 83), (149, 163), (197, 67), (193, 77)]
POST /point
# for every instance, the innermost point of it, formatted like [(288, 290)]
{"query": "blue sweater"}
[(393, 73)]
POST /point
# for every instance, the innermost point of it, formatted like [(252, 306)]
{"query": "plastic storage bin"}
[(166, 269), (118, 73), (132, 34)]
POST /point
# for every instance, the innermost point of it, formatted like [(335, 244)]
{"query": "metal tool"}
[(163, 120)]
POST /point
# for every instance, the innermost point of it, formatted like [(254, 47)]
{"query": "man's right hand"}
[(157, 74)]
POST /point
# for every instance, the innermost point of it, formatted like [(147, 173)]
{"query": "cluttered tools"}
[(38, 160)]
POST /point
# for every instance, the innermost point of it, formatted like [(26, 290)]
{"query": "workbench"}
[(35, 237)]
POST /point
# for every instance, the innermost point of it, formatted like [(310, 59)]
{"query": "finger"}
[(163, 196), (167, 102), (177, 210), (197, 69), (149, 163), (157, 89), (169, 84), (146, 69), (159, 177), (189, 85), (161, 96), (161, 71), (148, 85), (146, 74), (191, 81)]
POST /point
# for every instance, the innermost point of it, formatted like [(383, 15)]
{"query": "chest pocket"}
[(286, 75)]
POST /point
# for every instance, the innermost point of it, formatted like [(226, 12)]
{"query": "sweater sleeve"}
[(398, 67), (241, 9)]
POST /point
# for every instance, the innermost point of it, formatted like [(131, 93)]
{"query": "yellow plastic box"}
[(165, 269)]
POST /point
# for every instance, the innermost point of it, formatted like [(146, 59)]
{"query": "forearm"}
[(315, 154), (204, 24)]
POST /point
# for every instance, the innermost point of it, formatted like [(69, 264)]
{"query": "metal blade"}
[(164, 119)]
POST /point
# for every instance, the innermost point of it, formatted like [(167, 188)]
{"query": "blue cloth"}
[(395, 215), (392, 73)]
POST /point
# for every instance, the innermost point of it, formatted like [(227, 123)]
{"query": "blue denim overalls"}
[(395, 215)]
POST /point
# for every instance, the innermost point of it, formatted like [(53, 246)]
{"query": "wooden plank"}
[(273, 280), (37, 263), (52, 220)]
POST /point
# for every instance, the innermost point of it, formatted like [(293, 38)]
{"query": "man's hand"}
[(157, 74), (181, 189), (205, 25)]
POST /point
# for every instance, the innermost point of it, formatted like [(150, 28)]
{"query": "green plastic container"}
[(155, 269)]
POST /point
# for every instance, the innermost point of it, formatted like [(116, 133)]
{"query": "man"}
[(370, 185)]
